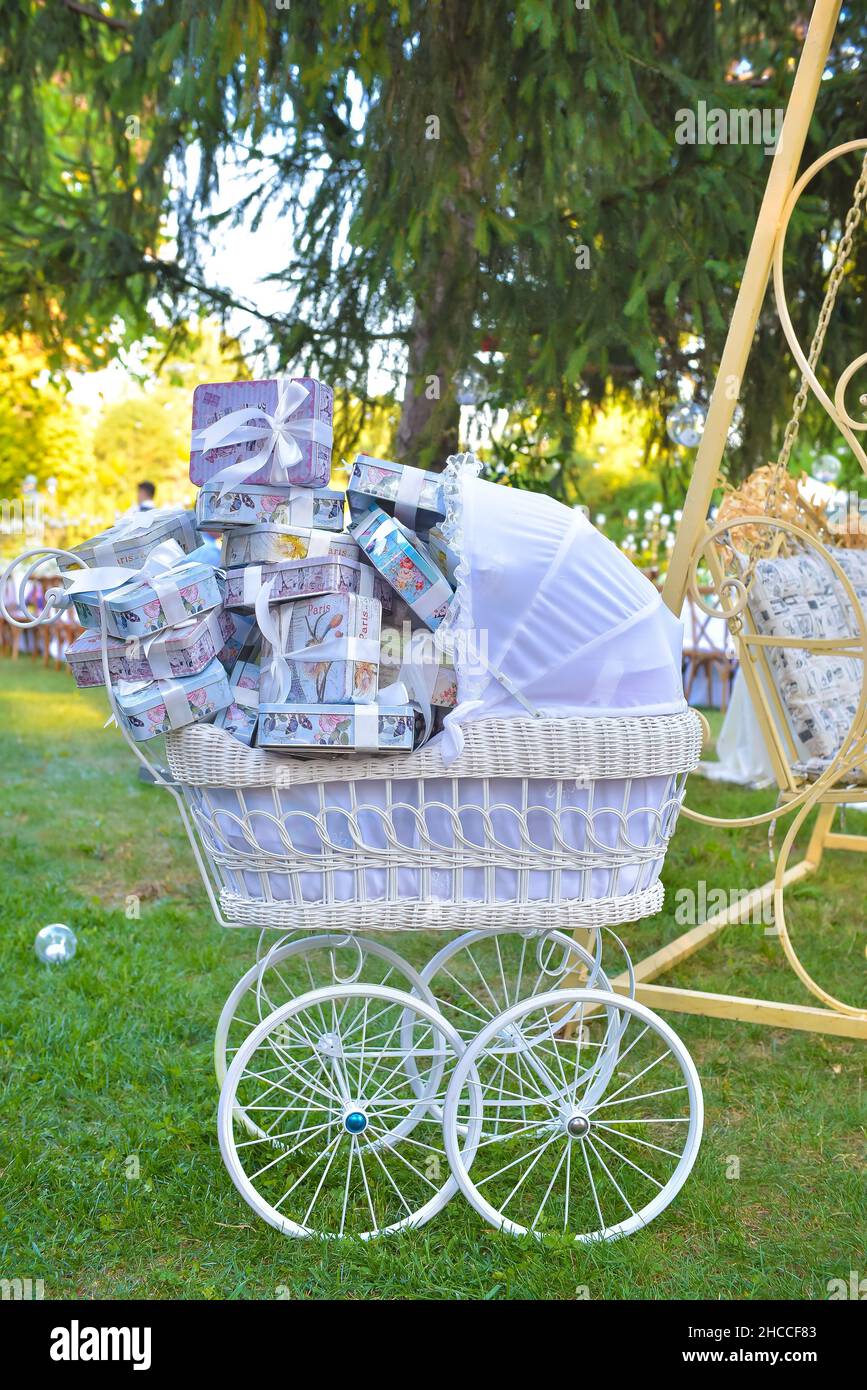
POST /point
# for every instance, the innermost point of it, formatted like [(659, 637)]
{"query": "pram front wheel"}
[(475, 977), (348, 1144), (592, 1152)]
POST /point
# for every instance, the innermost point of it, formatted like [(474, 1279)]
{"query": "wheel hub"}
[(329, 1045), (355, 1122), (578, 1125)]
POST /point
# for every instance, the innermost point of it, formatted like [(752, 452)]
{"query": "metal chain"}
[(780, 467)]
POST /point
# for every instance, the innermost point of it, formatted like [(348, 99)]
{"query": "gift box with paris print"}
[(145, 605), (321, 650), (277, 431), (264, 545), (316, 728), (405, 564), (293, 579), (258, 504), (239, 718), (128, 543), (415, 497), (178, 651), (155, 707)]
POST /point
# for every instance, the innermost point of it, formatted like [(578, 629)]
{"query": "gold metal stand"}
[(836, 1018)]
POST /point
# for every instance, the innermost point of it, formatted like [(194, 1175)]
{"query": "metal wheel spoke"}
[(624, 1159), (645, 1143)]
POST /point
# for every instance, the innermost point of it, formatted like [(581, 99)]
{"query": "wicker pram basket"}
[(348, 843)]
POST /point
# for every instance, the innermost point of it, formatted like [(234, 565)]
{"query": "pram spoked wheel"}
[(592, 1153), (477, 976), (348, 1143), (294, 966)]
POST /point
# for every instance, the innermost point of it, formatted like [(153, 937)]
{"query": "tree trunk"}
[(430, 415)]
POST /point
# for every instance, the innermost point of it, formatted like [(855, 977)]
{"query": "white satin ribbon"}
[(409, 486), (279, 436)]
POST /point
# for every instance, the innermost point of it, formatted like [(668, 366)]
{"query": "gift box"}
[(445, 559), (405, 564), (154, 707), (277, 431), (293, 579), (147, 604), (128, 543), (257, 504), (322, 650), (243, 629), (265, 545), (240, 716), (340, 727), (438, 676), (415, 497), (178, 651)]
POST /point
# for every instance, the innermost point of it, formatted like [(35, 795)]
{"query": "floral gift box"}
[(178, 651), (257, 504), (277, 431), (147, 605), (405, 564), (293, 579), (243, 628), (264, 545), (322, 650), (300, 728), (155, 707), (128, 543), (413, 496), (239, 718)]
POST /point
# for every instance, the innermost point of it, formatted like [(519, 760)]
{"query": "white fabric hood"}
[(567, 619)]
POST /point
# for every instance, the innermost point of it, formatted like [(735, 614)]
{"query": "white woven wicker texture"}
[(540, 822)]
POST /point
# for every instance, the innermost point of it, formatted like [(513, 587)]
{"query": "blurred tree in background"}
[(490, 198)]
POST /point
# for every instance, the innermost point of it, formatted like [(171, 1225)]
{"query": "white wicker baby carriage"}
[(362, 1086)]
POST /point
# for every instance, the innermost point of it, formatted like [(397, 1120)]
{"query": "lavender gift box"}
[(128, 543), (258, 504), (253, 433), (415, 497), (405, 564), (239, 718), (341, 634), (156, 707), (293, 579), (144, 606), (300, 728), (265, 545), (179, 651)]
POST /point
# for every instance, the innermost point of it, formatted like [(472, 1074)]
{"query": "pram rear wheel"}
[(347, 1143), (293, 967), (591, 1152)]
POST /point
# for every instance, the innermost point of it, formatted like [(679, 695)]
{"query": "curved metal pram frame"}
[(361, 1088)]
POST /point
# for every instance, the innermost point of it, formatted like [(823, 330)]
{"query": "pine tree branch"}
[(124, 26)]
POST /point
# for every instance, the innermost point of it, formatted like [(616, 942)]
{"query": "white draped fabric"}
[(560, 612)]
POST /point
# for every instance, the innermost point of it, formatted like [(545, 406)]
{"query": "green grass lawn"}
[(112, 1181)]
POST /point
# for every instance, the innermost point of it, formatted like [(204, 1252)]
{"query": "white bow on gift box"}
[(279, 436)]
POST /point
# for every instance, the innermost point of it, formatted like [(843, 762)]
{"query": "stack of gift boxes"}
[(298, 639)]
